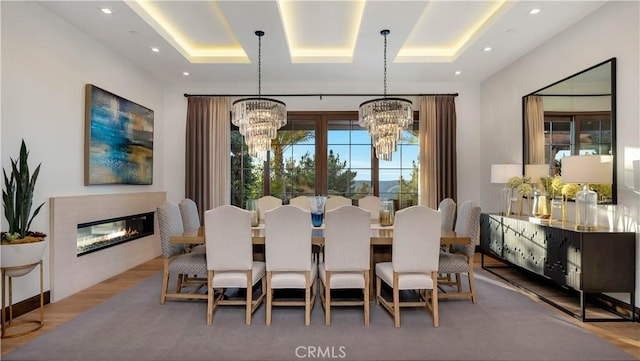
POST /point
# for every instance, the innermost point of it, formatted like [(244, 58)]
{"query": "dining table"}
[(380, 236), (381, 242)]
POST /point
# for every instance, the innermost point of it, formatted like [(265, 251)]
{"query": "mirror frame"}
[(614, 191)]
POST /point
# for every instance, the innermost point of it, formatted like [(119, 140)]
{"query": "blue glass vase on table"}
[(317, 210)]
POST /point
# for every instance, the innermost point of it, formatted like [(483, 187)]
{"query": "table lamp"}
[(500, 174), (585, 170)]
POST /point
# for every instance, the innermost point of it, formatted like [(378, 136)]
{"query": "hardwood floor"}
[(624, 335)]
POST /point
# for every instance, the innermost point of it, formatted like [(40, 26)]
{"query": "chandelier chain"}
[(385, 64), (259, 64)]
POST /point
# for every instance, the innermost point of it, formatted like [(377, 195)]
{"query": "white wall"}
[(46, 63), (611, 31)]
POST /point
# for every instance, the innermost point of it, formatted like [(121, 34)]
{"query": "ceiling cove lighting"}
[(258, 118), (385, 118)]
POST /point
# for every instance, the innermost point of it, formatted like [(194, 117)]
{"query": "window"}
[(346, 164), (576, 134)]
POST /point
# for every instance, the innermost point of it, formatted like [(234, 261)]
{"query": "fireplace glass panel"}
[(97, 235)]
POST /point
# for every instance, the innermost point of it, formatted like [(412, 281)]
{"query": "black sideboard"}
[(585, 261)]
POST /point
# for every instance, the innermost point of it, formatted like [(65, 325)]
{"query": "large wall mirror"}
[(573, 116)]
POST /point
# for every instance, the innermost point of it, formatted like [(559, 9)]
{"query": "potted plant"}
[(20, 246)]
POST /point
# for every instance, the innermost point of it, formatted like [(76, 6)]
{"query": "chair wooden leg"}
[(458, 282), (165, 281), (472, 285), (269, 298), (365, 298), (249, 305), (434, 300), (327, 299), (210, 293), (378, 284), (307, 299), (396, 301)]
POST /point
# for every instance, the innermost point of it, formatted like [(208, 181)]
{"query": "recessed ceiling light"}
[(488, 48), (534, 11), (185, 73), (106, 10), (154, 49), (458, 72)]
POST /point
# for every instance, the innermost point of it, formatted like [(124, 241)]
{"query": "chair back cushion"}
[(334, 202), (266, 204), (228, 239), (347, 238), (468, 223), (190, 215), (448, 209), (302, 202), (170, 223), (371, 204), (288, 239), (416, 240)]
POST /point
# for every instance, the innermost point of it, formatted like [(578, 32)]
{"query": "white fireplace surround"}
[(70, 274)]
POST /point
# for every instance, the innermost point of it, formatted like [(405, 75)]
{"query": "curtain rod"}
[(312, 95), (573, 95)]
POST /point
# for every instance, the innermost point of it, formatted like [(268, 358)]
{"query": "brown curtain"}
[(428, 180), (438, 176), (446, 143), (208, 145), (534, 130)]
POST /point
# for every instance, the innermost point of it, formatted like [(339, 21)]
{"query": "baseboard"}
[(26, 306)]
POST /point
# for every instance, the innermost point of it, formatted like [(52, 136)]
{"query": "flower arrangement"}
[(552, 185), (521, 185), (524, 189), (569, 190)]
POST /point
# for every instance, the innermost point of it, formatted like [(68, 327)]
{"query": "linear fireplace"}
[(97, 235)]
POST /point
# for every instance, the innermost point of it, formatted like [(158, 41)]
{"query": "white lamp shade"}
[(587, 169), (500, 173), (536, 171)]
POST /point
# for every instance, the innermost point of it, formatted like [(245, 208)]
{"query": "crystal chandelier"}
[(258, 118), (385, 118)]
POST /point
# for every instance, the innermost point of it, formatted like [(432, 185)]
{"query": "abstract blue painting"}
[(118, 140)]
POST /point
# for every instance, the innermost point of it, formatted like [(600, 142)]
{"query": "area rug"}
[(503, 325)]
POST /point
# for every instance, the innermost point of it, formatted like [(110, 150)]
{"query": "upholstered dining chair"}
[(371, 204), (190, 215), (414, 262), (191, 220), (334, 202), (302, 202), (346, 257), (460, 258), (175, 259), (266, 204), (230, 261), (288, 257), (448, 209)]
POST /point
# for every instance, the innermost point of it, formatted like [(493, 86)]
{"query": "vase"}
[(22, 257), (540, 208)]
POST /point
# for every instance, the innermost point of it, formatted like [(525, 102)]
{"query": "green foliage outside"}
[(290, 178)]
